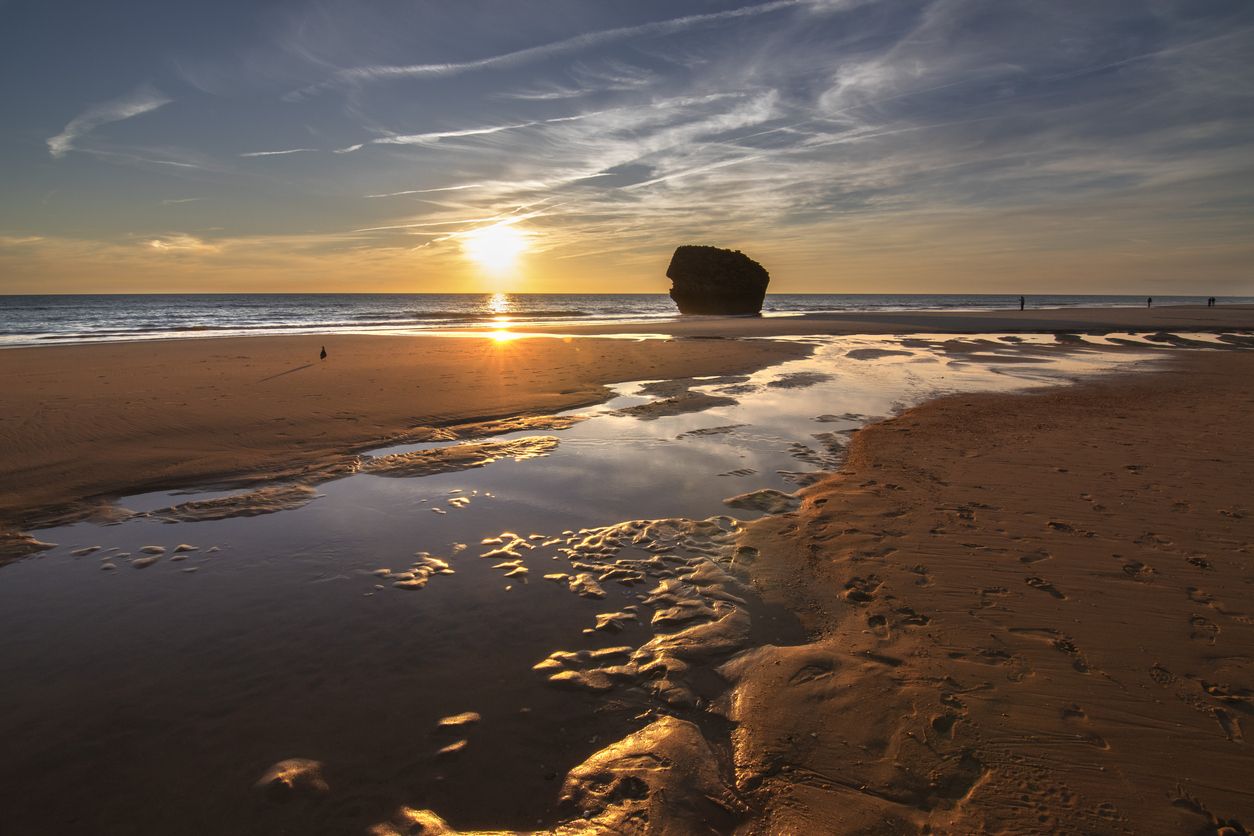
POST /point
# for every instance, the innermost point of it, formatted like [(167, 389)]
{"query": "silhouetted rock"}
[(710, 280)]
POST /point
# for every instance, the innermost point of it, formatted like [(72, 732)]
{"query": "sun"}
[(495, 248)]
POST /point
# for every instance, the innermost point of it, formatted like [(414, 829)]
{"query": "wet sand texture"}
[(100, 420), (458, 457), (1031, 614), (267, 500), (1072, 320)]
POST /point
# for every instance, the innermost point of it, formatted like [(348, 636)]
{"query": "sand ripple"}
[(458, 456), (266, 500)]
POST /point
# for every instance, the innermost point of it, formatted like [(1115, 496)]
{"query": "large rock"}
[(710, 280)]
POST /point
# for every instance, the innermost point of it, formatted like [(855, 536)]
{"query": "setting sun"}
[(495, 248)]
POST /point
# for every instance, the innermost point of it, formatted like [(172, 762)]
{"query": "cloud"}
[(275, 153), (462, 187), (142, 101), (378, 72), (173, 201), (608, 76), (432, 137), (179, 242)]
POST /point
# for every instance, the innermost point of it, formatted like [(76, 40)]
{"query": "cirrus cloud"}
[(143, 100)]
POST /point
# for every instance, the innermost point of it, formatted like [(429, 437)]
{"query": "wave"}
[(302, 326), (466, 316)]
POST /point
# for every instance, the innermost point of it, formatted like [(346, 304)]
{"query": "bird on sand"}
[(323, 355)]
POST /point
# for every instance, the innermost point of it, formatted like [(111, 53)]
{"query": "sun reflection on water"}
[(498, 303)]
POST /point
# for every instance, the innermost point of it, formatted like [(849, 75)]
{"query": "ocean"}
[(45, 320)]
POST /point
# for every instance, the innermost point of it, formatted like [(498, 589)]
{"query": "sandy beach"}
[(1033, 614), (83, 424), (1010, 609)]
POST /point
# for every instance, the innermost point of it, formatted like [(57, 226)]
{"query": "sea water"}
[(43, 320)]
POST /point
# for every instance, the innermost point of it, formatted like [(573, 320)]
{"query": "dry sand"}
[(89, 421), (1034, 616)]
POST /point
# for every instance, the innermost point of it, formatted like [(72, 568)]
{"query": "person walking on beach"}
[(323, 354), (1021, 302), (1149, 303)]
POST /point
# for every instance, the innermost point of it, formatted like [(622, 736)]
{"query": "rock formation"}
[(710, 280)]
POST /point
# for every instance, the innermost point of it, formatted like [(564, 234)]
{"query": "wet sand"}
[(1060, 320), (79, 423), (1033, 616)]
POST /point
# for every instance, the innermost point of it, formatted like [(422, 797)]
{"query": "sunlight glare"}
[(503, 336), (495, 248), (498, 303)]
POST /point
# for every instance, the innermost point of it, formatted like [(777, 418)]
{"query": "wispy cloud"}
[(377, 72), (179, 242), (460, 188), (174, 201), (607, 76), (142, 101), (276, 153), (432, 137), (20, 240)]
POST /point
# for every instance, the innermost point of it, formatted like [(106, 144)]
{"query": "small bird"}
[(323, 355)]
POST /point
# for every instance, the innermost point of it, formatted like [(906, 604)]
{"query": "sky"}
[(850, 146)]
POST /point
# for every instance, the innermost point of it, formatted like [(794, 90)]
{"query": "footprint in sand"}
[(1035, 557), (923, 579), (912, 617), (1073, 712), (1203, 629), (1199, 596), (943, 724), (1057, 640), (1138, 571), (1044, 586), (861, 590), (1229, 723), (990, 592), (1198, 561), (879, 625), (1161, 675)]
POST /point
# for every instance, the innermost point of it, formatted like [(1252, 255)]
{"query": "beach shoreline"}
[(86, 424), (1095, 319)]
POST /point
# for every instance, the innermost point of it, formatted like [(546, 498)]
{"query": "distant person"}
[(1210, 303), (1022, 301), (323, 354), (1149, 303)]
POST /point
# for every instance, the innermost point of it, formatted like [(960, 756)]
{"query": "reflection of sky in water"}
[(279, 645)]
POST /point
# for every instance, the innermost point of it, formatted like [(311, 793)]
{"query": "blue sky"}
[(850, 145)]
